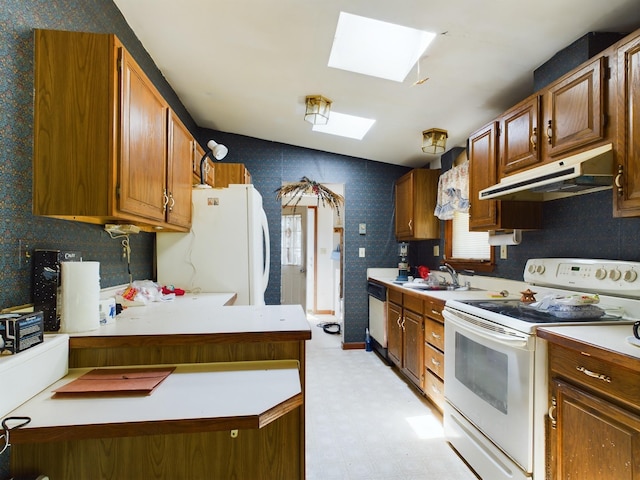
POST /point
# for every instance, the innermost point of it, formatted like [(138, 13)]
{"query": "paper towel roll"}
[(505, 238), (80, 296)]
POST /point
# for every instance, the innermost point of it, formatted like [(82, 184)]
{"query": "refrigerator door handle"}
[(267, 252)]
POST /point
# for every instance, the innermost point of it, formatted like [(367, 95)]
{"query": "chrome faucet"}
[(451, 271)]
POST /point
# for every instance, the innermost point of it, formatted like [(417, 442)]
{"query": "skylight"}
[(345, 125), (376, 48)]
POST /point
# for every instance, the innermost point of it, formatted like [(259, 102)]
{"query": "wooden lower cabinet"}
[(594, 418), (394, 333), (595, 438), (413, 347), (415, 336)]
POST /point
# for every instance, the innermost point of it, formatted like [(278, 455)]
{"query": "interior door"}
[(293, 257)]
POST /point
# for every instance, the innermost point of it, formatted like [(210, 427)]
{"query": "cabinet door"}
[(519, 137), (574, 109), (404, 206), (179, 172), (627, 188), (394, 333), (413, 351), (143, 137), (230, 173), (593, 437), (483, 214)]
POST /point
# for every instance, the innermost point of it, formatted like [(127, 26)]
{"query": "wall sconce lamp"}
[(217, 151), (317, 109), (434, 140)]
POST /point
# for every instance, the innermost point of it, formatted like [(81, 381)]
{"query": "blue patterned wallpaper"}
[(18, 18)]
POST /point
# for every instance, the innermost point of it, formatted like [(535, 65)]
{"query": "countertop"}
[(482, 287), (608, 338), (210, 396), (202, 314)]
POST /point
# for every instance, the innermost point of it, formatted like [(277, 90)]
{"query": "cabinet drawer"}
[(612, 381), (394, 296), (434, 389), (434, 333), (413, 303), (433, 308), (434, 360)]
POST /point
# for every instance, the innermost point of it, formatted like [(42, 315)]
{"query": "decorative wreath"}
[(309, 187)]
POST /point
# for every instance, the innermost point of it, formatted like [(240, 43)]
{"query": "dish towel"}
[(453, 192)]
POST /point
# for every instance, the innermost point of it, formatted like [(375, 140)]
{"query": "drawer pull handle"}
[(436, 389), (591, 374), (436, 312), (435, 362), (435, 335), (552, 412)]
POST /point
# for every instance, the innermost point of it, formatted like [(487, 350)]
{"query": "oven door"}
[(489, 378)]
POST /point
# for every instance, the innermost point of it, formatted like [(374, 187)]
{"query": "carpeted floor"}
[(365, 423)]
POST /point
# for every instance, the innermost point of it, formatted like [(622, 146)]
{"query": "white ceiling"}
[(245, 66)]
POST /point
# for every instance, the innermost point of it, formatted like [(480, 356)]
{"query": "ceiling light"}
[(345, 125), (317, 110), (434, 140), (376, 48)]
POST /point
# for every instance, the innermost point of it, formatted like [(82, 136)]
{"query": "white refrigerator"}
[(227, 249)]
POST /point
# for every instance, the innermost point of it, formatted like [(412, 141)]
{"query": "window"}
[(291, 239), (465, 249)]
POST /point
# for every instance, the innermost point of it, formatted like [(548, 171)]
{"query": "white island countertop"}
[(194, 398), (199, 315)]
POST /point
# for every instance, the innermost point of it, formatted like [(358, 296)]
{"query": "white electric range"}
[(496, 367)]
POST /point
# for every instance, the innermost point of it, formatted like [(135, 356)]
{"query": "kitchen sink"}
[(441, 286)]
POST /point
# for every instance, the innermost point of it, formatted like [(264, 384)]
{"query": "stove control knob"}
[(630, 276), (601, 274), (532, 268), (540, 269), (615, 275)]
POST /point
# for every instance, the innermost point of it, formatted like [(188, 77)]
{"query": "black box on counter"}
[(19, 332), (47, 281)]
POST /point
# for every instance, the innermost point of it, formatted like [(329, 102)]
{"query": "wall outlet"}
[(361, 252), (436, 250), (503, 252)]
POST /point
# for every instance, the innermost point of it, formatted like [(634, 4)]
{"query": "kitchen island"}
[(233, 408)]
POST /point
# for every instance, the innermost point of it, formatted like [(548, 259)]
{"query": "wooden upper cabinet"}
[(627, 187), (106, 145), (520, 136), (482, 174), (179, 181), (485, 215), (143, 149), (416, 193), (225, 174), (574, 109)]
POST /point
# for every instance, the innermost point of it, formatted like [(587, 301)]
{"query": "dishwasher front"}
[(378, 316)]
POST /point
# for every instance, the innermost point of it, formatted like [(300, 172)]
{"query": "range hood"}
[(585, 172)]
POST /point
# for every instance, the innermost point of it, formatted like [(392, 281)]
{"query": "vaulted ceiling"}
[(245, 66)]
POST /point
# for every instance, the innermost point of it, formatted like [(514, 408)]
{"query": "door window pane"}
[(291, 239)]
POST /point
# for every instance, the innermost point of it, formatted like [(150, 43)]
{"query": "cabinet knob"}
[(552, 412), (534, 138), (550, 133), (618, 180), (165, 200)]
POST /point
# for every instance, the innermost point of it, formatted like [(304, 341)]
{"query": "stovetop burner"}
[(526, 313)]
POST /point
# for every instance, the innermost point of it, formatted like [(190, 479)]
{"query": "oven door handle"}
[(514, 341)]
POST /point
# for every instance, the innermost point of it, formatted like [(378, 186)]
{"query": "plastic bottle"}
[(367, 340)]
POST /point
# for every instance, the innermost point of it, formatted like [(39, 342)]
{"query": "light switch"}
[(361, 252), (362, 229)]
